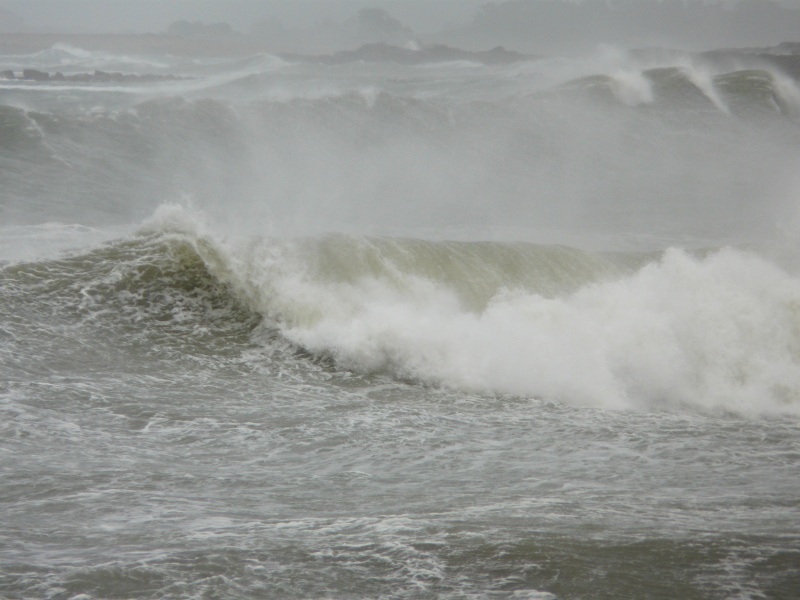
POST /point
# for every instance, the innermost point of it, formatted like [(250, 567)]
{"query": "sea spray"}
[(364, 341), (719, 333), (712, 331)]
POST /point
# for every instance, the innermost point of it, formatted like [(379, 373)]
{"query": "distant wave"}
[(323, 151), (68, 57), (745, 93)]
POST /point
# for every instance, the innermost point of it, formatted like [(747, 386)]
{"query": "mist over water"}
[(284, 328), (550, 145)]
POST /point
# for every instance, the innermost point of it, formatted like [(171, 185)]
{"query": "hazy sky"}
[(423, 16), (155, 15)]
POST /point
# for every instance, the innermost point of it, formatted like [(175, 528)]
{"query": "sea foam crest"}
[(715, 333), (67, 55), (704, 82), (632, 88), (176, 217), (720, 333)]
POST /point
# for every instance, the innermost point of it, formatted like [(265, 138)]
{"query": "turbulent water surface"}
[(294, 330)]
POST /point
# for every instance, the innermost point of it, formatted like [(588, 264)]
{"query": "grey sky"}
[(422, 16), (155, 15)]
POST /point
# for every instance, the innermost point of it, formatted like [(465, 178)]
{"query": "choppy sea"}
[(277, 329)]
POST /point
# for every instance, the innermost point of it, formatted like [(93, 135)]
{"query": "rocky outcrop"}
[(429, 54), (34, 75)]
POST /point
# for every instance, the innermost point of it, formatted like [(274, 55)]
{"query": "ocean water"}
[(293, 330)]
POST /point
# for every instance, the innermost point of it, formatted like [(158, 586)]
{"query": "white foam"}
[(720, 333), (789, 94), (176, 217), (67, 55), (633, 88), (705, 83)]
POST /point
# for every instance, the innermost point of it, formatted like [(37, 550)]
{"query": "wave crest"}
[(714, 332)]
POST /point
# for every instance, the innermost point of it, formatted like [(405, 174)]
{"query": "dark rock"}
[(380, 52), (499, 55), (104, 77), (96, 77), (34, 75), (80, 78)]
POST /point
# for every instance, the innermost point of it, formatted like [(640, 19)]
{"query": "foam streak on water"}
[(379, 331)]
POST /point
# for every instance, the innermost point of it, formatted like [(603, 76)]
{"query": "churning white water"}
[(276, 329)]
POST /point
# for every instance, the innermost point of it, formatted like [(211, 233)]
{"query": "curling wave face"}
[(709, 331), (715, 331)]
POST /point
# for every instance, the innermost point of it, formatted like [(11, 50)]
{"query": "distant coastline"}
[(784, 57)]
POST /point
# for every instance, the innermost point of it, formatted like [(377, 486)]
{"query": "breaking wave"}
[(711, 331)]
